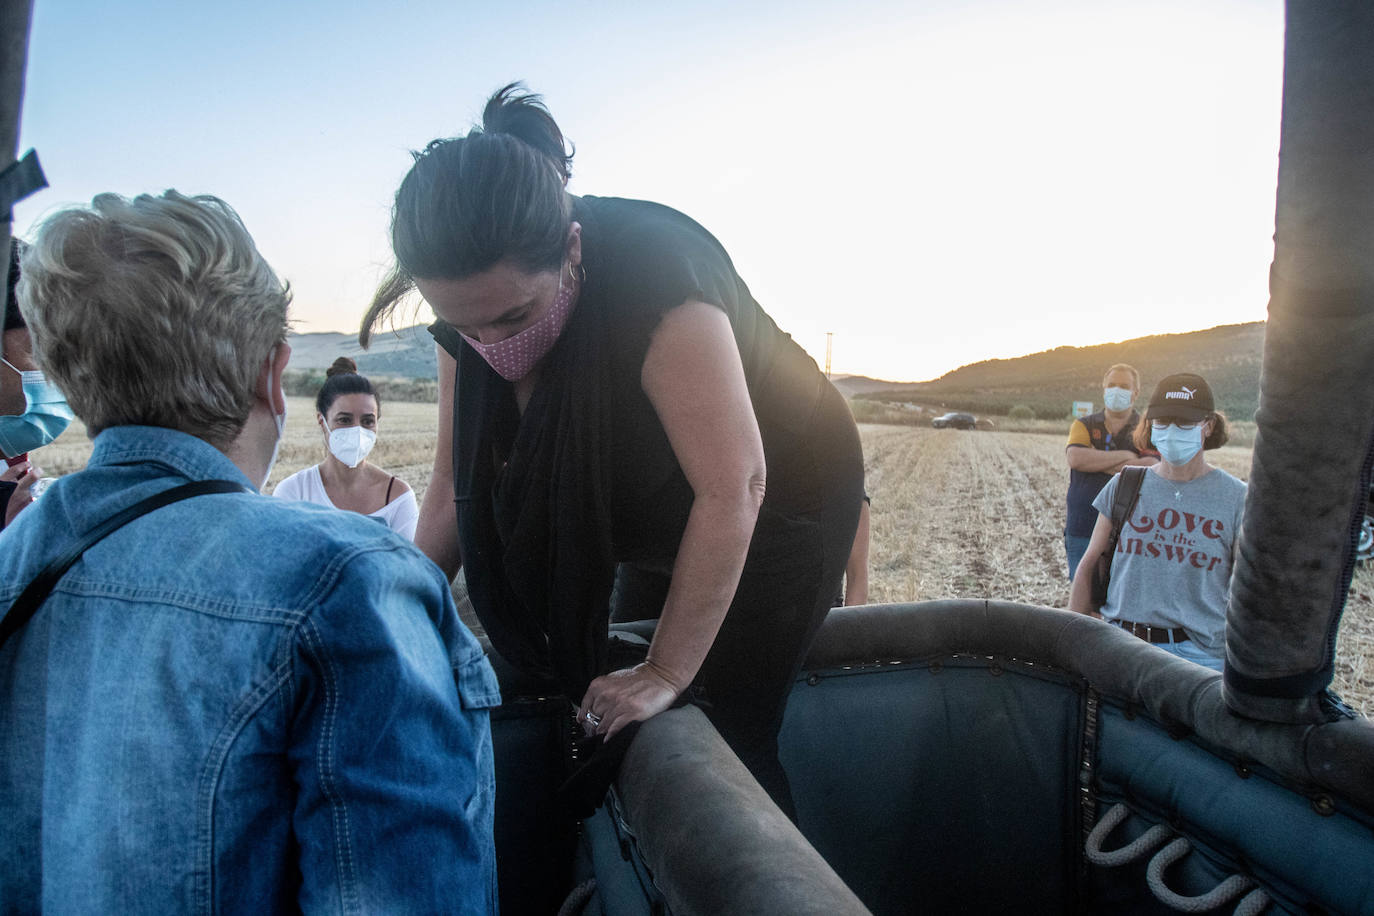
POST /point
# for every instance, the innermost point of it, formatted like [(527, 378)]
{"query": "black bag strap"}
[(36, 592), (1127, 493)]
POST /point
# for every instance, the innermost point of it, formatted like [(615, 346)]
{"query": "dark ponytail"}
[(522, 115), (340, 379), (471, 202)]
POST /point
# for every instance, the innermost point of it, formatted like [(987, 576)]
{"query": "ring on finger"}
[(593, 719)]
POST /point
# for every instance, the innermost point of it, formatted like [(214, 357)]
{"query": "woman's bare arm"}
[(436, 533), (693, 376), (1080, 594), (856, 570)]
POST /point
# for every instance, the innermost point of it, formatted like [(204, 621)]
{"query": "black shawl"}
[(532, 524)]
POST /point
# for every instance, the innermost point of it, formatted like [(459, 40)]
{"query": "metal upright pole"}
[(14, 54), (1315, 443)]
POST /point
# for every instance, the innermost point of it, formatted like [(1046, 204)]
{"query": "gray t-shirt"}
[(1173, 563)]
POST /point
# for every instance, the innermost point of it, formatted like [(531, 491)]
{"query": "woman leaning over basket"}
[(612, 395)]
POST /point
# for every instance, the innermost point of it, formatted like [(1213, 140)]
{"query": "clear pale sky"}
[(934, 182)]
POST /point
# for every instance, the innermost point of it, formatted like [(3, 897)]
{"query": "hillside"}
[(855, 385), (406, 353), (1048, 382)]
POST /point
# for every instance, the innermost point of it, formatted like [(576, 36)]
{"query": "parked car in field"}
[(955, 420)]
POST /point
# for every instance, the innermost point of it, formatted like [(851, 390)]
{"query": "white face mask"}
[(351, 444), (1116, 398), (280, 419), (281, 429)]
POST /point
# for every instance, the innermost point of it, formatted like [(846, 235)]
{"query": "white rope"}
[(1224, 892), (1138, 847)]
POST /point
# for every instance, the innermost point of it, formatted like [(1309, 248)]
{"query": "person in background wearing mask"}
[(232, 703), (33, 411), (1099, 445), (1172, 568), (348, 410)]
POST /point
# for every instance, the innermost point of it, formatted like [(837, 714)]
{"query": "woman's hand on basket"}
[(629, 695)]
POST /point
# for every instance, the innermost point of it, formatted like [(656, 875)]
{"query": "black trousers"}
[(795, 563)]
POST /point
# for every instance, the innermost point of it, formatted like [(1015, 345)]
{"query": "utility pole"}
[(829, 335)]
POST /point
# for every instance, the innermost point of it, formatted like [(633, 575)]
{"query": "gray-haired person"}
[(230, 703)]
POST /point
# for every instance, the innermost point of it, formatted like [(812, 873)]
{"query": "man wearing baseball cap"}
[(1172, 567)]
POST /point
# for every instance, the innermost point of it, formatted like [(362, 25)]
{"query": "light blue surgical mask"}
[(1116, 398), (45, 415), (1177, 444)]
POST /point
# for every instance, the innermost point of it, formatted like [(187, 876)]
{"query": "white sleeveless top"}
[(400, 515)]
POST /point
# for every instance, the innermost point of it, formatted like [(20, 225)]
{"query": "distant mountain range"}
[(1050, 381), (1047, 382), (406, 353)]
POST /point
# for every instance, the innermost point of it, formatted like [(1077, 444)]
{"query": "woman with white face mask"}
[(347, 411), (1172, 567)]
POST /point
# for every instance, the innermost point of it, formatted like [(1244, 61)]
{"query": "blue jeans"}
[(1074, 548), (1192, 652)]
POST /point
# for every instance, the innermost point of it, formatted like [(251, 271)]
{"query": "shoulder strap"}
[(1127, 493), (391, 483), (36, 592)]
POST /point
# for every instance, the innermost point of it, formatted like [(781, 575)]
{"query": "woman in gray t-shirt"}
[(1172, 566)]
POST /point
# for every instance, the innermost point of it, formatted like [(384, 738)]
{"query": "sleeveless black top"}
[(549, 501)]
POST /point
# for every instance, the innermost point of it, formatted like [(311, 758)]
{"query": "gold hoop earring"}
[(577, 273)]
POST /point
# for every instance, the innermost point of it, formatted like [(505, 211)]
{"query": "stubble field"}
[(955, 514)]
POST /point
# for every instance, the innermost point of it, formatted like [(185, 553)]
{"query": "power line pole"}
[(829, 335)]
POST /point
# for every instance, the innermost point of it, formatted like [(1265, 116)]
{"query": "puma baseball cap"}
[(1183, 396)]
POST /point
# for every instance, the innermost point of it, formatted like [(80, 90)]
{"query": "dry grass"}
[(955, 514), (405, 444)]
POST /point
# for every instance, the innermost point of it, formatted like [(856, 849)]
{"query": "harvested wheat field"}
[(981, 515), (955, 514)]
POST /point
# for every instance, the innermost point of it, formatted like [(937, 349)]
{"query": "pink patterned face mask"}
[(517, 355)]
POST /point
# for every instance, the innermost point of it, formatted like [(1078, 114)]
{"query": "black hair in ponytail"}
[(522, 114), (342, 378), (471, 202)]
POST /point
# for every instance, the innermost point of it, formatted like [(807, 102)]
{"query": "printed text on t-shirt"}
[(1174, 535)]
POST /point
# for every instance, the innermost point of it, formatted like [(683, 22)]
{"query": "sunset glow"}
[(934, 183)]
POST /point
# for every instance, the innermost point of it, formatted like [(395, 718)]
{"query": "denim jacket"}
[(236, 704)]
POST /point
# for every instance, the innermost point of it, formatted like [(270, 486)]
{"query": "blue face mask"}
[(1116, 398), (1177, 446), (45, 415)]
